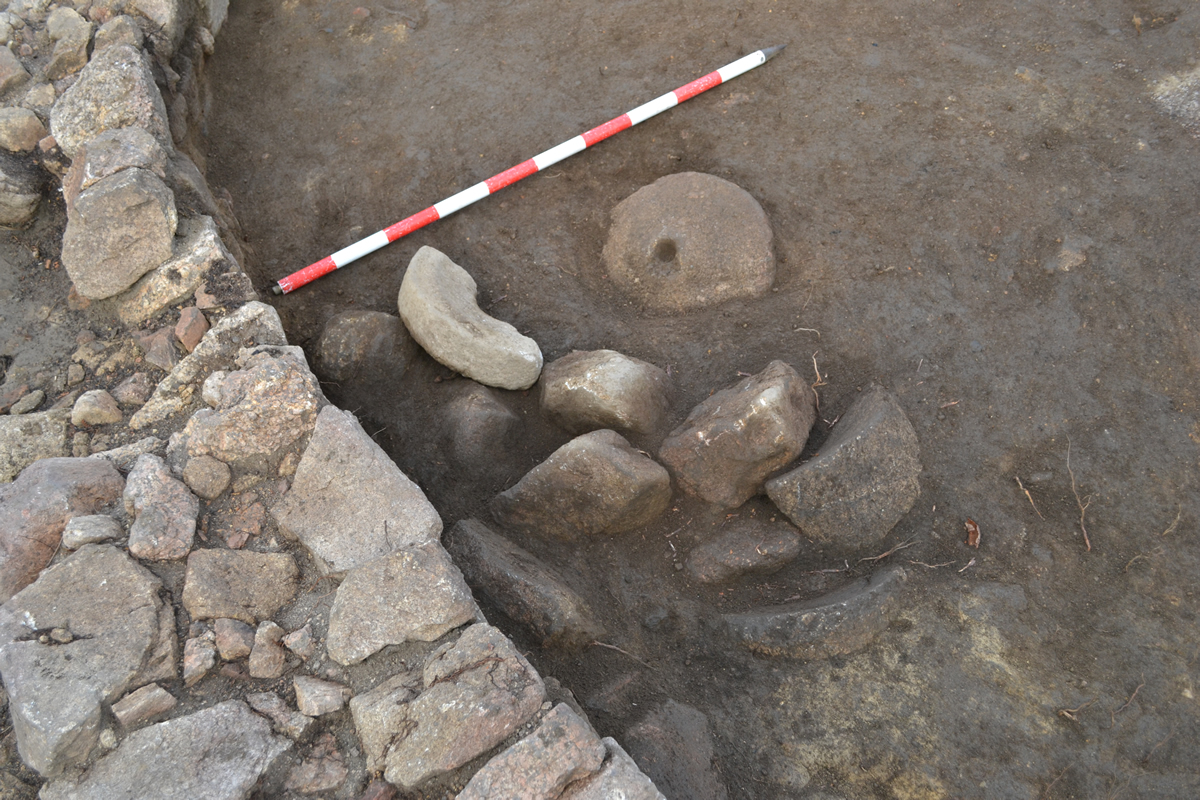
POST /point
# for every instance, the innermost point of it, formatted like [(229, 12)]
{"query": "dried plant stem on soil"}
[(1027, 494), (1046, 791), (623, 652), (881, 556), (1175, 524), (1112, 715), (1083, 504), (1070, 713), (820, 382)]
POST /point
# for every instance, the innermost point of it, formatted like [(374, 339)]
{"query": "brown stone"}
[(267, 659), (143, 705), (238, 584), (234, 638), (165, 511), (191, 327)]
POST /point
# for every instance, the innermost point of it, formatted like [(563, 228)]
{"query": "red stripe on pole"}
[(602, 132), (406, 226), (308, 274), (511, 175), (697, 86)]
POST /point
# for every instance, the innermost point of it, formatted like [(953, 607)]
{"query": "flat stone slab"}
[(110, 632), (349, 503), (522, 586), (736, 438), (745, 548), (862, 482), (238, 584), (588, 390), (619, 777), (594, 484), (437, 303), (413, 594), (219, 753), (563, 748), (689, 241), (473, 694), (36, 507), (837, 623)]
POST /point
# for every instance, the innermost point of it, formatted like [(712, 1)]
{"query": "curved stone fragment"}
[(594, 484), (862, 482), (522, 586), (732, 441), (750, 547), (587, 390), (689, 241), (437, 304), (834, 624)]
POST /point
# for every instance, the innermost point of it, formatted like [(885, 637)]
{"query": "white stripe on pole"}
[(461, 200), (559, 152), (743, 64), (655, 106), (360, 248)]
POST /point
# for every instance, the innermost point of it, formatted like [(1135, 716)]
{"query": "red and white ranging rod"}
[(526, 168)]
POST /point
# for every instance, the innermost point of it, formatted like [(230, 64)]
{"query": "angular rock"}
[(65, 21), (324, 769), (267, 658), (253, 324), (235, 639), (735, 439), (833, 624), (71, 34), (862, 482), (121, 29), (237, 525), (125, 456), (108, 154), (29, 437), (197, 253), (121, 635), (594, 484), (90, 529), (168, 23), (587, 390), (291, 724), (689, 241), (96, 407), (29, 402), (191, 327), (349, 503), (315, 697), (238, 584), (143, 705), (674, 747), (474, 694), (479, 430), (115, 90), (206, 476), (134, 390), (159, 348), (122, 228), (412, 594), (563, 748), (619, 777), (36, 507), (265, 407), (199, 656), (364, 344), (437, 303), (20, 188), (20, 129), (300, 642), (219, 753), (12, 72), (165, 512), (753, 547), (523, 587)]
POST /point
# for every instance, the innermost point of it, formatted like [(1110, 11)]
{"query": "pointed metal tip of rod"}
[(277, 289), (771, 52)]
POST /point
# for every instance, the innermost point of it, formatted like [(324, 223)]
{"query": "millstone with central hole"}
[(689, 241)]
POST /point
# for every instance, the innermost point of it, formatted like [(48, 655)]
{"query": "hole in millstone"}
[(664, 250)]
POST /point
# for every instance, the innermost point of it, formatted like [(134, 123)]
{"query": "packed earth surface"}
[(981, 214)]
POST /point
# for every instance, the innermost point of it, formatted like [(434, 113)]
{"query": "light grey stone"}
[(291, 724), (125, 456), (65, 21), (315, 697), (219, 753), (20, 129), (143, 705), (28, 437), (198, 252), (254, 323), (349, 503), (862, 482), (168, 22), (20, 187), (90, 529), (619, 777), (267, 657), (120, 30), (594, 484), (562, 749), (689, 241), (437, 303), (12, 72), (29, 402), (71, 34), (96, 407), (122, 635), (735, 439), (199, 656), (238, 584), (588, 390), (165, 511), (235, 639), (109, 153), (123, 226), (115, 90), (413, 594), (134, 390)]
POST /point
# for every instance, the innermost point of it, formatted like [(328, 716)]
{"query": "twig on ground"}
[(881, 556), (1158, 551), (1046, 791), (951, 403), (933, 566), (1083, 506), (810, 330), (1171, 528), (820, 382), (970, 564), (1167, 738), (622, 652), (1027, 494), (1070, 713), (1112, 715)]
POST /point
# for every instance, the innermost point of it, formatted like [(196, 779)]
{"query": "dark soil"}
[(929, 168)]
